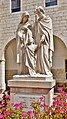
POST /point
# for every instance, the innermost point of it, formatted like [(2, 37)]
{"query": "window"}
[(66, 76), (15, 5), (50, 3), (66, 66)]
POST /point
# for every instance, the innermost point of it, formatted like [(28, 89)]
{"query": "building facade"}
[(10, 15)]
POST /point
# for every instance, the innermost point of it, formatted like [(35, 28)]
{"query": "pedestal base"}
[(29, 87)]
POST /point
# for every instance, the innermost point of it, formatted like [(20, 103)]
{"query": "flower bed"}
[(40, 110)]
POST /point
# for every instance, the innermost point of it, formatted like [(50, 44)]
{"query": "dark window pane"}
[(15, 5), (65, 65), (66, 76), (15, 10), (51, 3)]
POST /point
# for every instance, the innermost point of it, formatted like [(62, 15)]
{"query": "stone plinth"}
[(32, 86)]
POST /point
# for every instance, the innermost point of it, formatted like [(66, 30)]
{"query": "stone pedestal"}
[(29, 87)]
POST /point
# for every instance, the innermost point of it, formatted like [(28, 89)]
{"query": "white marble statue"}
[(26, 58), (44, 40), (34, 53)]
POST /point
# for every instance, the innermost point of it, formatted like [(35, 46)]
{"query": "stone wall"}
[(59, 16), (10, 73), (59, 74)]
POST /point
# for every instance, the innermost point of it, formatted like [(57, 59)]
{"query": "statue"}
[(44, 41), (34, 52), (26, 58)]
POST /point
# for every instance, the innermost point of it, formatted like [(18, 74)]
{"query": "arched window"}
[(15, 5), (66, 67), (50, 3)]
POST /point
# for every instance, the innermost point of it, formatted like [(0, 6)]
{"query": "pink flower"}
[(44, 105), (17, 106), (1, 116), (53, 98), (55, 103), (59, 89), (7, 113), (42, 98), (65, 110), (7, 97), (29, 112), (2, 105), (65, 104), (63, 94), (59, 110), (59, 102), (23, 115), (48, 112)]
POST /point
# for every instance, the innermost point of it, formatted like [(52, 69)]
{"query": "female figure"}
[(25, 47), (44, 40)]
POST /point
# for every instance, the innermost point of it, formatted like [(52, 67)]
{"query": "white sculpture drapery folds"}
[(25, 47), (29, 61), (44, 40)]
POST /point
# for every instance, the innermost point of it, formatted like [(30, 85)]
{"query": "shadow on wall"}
[(59, 56), (10, 60)]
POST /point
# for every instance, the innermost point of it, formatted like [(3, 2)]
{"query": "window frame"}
[(65, 66), (16, 11), (50, 5), (65, 69)]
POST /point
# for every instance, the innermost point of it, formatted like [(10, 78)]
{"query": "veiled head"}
[(41, 9), (25, 17)]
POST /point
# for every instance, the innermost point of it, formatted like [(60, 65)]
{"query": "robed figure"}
[(26, 58), (44, 40)]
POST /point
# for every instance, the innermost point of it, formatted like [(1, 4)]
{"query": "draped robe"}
[(25, 50), (44, 40)]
